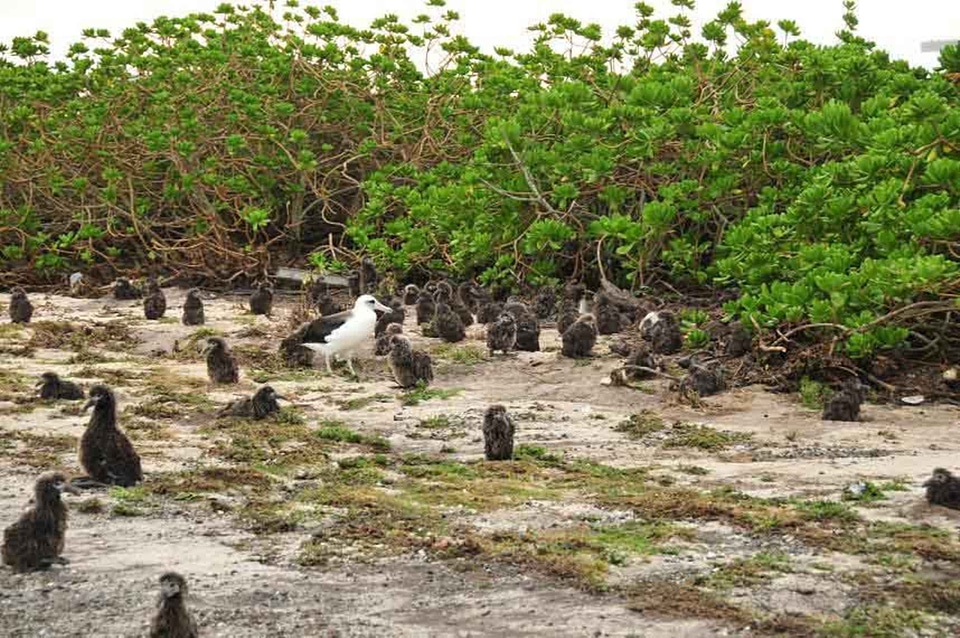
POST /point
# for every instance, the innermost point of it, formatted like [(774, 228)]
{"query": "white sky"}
[(896, 26)]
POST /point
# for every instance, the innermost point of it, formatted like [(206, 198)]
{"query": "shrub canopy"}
[(821, 182)]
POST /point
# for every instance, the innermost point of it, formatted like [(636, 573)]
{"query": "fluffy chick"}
[(410, 294), (426, 308), (409, 366), (609, 320), (221, 364), (193, 309), (528, 326), (844, 405), (368, 276), (21, 310), (261, 405), (36, 540), (173, 620), (385, 341), (261, 301), (502, 334), (489, 311), (943, 488), (106, 452), (123, 290), (53, 387), (154, 301), (447, 324), (498, 432), (579, 339)]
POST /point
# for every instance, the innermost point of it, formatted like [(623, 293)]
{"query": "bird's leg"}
[(329, 369), (350, 365)]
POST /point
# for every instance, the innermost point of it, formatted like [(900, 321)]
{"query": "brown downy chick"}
[(353, 283), (502, 334), (579, 339), (573, 292), (409, 366), (154, 301), (368, 276), (545, 303), (173, 620), (193, 309), (704, 380), (261, 301), (662, 330), (844, 405), (294, 353), (568, 316), (447, 324), (36, 540), (466, 317), (498, 433), (21, 310), (261, 405), (489, 311), (385, 341), (53, 387), (410, 295), (943, 488), (609, 320), (318, 296), (739, 341), (105, 451), (123, 290), (640, 357), (528, 326), (221, 364), (443, 292), (468, 295), (426, 308)]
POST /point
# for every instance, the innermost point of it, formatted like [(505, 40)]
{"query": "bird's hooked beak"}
[(89, 404), (67, 487), (379, 306)]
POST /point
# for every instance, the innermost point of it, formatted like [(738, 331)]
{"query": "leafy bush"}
[(821, 182)]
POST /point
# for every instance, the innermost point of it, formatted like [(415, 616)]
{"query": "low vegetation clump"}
[(422, 393)]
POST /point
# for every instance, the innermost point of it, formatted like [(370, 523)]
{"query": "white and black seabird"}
[(342, 334)]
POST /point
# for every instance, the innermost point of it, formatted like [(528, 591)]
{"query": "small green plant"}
[(813, 394), (702, 437), (463, 355), (339, 432), (696, 339), (435, 422), (641, 424), (422, 393)]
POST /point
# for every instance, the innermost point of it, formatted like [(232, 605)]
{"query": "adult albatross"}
[(341, 334)]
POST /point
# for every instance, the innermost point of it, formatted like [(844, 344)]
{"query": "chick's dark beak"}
[(89, 404), (68, 487)]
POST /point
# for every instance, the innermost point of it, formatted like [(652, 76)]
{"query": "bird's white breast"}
[(354, 331)]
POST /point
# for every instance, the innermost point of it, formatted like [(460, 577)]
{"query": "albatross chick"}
[(173, 620), (21, 310), (36, 540), (53, 387), (105, 451), (409, 366)]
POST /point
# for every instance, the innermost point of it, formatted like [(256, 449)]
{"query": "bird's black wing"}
[(320, 329)]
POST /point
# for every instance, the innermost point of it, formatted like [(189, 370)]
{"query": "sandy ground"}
[(248, 583)]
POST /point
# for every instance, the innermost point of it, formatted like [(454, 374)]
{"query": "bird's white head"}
[(368, 301)]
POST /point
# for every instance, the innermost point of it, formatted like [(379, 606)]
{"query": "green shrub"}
[(819, 181)]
